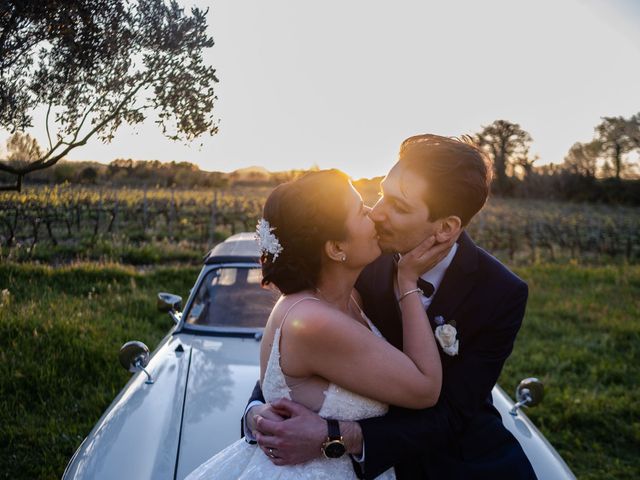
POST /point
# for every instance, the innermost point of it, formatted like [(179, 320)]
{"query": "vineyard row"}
[(522, 231)]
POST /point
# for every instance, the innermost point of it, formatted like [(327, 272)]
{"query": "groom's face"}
[(401, 214)]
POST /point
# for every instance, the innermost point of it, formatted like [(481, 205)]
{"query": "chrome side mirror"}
[(135, 356), (170, 303), (529, 393)]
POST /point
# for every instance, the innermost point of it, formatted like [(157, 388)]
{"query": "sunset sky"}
[(342, 83)]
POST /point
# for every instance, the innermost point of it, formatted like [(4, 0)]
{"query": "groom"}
[(435, 188)]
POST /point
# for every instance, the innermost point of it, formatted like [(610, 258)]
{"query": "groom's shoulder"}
[(377, 271), (492, 268), (384, 264)]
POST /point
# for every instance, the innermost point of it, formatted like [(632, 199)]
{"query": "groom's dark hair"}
[(457, 174)]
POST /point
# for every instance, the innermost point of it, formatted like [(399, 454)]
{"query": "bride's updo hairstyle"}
[(305, 214)]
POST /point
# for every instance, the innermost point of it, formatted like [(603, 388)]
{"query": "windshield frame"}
[(184, 327)]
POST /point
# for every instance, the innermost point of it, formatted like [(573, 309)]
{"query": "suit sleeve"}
[(256, 396), (403, 433)]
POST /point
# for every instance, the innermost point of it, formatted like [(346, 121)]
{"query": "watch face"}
[(334, 449)]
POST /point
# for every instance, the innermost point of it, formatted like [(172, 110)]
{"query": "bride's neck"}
[(335, 286)]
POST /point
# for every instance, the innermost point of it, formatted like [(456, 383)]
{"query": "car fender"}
[(138, 436)]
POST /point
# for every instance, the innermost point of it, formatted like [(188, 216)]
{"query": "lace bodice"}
[(339, 403), (242, 461)]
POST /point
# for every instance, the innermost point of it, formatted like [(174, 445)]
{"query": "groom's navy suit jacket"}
[(462, 436)]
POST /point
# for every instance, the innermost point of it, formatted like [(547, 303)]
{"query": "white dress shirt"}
[(436, 274)]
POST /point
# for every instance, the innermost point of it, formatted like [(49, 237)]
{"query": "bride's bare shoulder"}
[(305, 314)]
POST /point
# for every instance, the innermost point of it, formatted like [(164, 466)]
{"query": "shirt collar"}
[(436, 274)]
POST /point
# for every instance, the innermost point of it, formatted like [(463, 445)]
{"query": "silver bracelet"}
[(415, 290)]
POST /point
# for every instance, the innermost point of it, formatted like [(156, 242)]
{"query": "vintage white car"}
[(185, 401)]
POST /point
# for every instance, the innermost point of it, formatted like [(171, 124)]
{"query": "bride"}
[(319, 349)]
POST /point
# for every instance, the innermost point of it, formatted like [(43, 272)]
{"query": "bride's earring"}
[(344, 258)]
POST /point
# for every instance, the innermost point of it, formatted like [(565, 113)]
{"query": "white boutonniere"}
[(446, 334)]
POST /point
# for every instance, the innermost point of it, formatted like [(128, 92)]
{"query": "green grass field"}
[(60, 331)]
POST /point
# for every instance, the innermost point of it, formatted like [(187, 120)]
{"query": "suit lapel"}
[(382, 307), (391, 321), (458, 280)]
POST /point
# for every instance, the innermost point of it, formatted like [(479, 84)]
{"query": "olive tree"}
[(86, 67)]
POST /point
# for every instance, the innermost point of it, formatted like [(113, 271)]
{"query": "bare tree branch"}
[(46, 162), (47, 126)]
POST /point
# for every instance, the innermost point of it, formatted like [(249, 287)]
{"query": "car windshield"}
[(232, 297)]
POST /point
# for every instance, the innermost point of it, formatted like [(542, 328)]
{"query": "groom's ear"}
[(333, 250), (448, 228)]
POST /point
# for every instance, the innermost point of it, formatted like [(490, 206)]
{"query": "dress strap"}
[(372, 327), (357, 306), (294, 304)]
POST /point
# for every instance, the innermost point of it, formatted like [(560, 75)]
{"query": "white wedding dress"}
[(242, 460)]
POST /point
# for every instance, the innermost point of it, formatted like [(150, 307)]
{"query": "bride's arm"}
[(332, 345), (329, 344), (418, 342)]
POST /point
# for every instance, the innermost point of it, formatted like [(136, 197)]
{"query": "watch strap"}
[(333, 429)]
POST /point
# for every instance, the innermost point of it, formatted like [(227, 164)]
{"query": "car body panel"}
[(546, 462), (227, 372), (239, 247), (138, 435)]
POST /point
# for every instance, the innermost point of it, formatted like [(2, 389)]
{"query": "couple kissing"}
[(392, 328)]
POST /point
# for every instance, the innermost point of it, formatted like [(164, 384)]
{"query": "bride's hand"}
[(265, 411), (422, 258)]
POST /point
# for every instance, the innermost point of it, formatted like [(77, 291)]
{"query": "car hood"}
[(166, 429), (138, 435), (223, 372)]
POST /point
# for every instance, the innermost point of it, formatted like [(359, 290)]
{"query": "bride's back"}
[(312, 391), (307, 390)]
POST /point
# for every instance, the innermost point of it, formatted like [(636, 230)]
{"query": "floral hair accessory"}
[(267, 241)]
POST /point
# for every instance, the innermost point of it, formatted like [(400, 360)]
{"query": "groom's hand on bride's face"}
[(296, 439)]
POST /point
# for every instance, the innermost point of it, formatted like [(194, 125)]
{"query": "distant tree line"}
[(127, 173), (138, 173), (601, 170)]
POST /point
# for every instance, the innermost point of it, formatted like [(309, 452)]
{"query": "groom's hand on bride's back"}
[(288, 432)]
